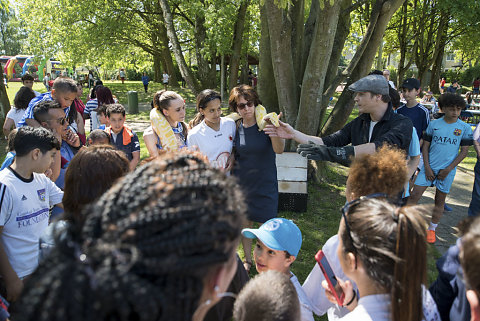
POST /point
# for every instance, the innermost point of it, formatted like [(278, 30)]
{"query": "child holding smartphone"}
[(278, 243)]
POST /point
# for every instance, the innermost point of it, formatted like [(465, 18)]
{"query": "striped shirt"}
[(418, 114)]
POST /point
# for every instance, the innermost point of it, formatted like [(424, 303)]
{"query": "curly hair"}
[(146, 247), (382, 172), (390, 242), (447, 100)]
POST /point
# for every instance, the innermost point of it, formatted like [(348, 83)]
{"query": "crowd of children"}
[(86, 233)]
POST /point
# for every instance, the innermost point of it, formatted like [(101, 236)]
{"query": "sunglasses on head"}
[(243, 105), (346, 208)]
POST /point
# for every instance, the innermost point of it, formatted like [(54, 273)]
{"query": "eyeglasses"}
[(346, 208), (61, 121), (243, 105)]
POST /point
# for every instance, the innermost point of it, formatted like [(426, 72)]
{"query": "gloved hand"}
[(341, 155)]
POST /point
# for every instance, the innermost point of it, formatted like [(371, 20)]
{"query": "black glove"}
[(341, 155)]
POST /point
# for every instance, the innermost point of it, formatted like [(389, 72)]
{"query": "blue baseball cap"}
[(278, 234)]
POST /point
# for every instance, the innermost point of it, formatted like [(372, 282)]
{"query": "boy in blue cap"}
[(278, 243)]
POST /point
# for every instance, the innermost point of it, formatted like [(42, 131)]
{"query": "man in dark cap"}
[(376, 125)]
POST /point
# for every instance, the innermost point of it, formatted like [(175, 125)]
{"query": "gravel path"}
[(459, 200)]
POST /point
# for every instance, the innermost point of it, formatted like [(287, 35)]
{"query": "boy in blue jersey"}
[(418, 114), (64, 92), (442, 140)]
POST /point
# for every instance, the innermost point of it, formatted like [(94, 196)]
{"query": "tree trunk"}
[(237, 44), (381, 14), (343, 29), (166, 54), (297, 13), (177, 49), (157, 67), (202, 64), (267, 90), (440, 43), (280, 30), (4, 101), (313, 82)]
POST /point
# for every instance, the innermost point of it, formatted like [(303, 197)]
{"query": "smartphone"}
[(330, 277)]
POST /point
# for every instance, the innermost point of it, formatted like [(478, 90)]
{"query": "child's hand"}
[(14, 287), (443, 173), (429, 174)]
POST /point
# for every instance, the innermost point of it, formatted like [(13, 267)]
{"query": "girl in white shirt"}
[(212, 134)]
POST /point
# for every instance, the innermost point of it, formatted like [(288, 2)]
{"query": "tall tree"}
[(238, 31)]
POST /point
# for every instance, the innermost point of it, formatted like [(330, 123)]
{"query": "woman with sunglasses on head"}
[(383, 172), (255, 164), (383, 249), (210, 133)]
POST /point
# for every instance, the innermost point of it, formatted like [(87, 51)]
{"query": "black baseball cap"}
[(411, 83)]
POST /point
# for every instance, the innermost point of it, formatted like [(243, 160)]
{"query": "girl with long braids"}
[(172, 106), (383, 249), (165, 252), (255, 165), (210, 133)]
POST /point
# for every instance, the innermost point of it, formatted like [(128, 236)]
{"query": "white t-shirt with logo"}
[(216, 145), (24, 214)]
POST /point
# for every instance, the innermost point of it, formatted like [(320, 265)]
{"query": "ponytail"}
[(391, 244), (196, 120), (203, 98), (410, 268)]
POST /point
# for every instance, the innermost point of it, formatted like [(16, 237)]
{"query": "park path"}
[(459, 200)]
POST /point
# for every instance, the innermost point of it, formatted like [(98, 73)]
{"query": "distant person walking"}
[(476, 87), (91, 79), (145, 81), (122, 75), (165, 79), (46, 81), (442, 85)]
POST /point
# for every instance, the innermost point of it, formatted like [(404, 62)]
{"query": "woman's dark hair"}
[(145, 248), (245, 91), (203, 98), (94, 170), (23, 97), (93, 91), (390, 242), (104, 96)]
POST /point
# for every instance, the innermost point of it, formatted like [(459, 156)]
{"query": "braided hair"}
[(143, 255)]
